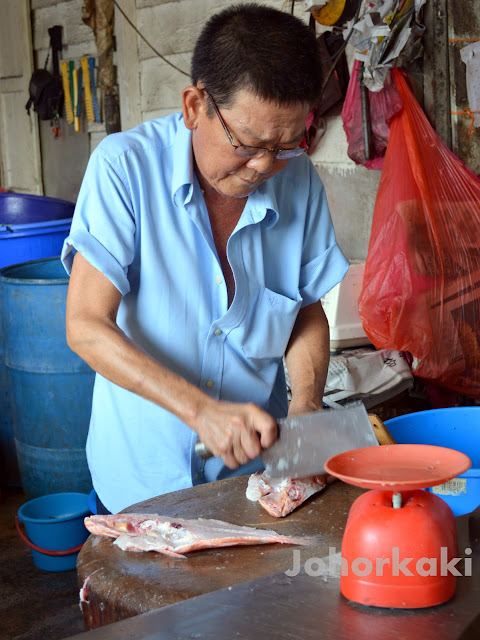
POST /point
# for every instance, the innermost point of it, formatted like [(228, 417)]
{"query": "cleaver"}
[(305, 442)]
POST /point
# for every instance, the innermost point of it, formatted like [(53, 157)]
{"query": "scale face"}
[(398, 467), (396, 522)]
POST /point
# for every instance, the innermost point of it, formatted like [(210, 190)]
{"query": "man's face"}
[(250, 121)]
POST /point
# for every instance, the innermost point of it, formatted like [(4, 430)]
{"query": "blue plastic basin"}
[(26, 208), (454, 427), (32, 227)]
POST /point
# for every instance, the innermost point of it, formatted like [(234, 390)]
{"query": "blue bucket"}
[(31, 227), (55, 529), (454, 427), (51, 387)]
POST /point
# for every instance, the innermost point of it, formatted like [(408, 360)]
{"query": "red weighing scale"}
[(398, 539)]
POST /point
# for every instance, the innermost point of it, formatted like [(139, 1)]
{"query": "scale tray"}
[(398, 467)]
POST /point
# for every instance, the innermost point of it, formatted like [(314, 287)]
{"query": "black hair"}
[(271, 53)]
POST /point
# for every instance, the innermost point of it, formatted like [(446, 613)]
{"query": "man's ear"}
[(193, 105)]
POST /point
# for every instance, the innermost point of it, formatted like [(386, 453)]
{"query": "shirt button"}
[(209, 383), (218, 332), (219, 279)]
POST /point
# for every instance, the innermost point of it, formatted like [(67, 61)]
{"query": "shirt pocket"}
[(269, 325)]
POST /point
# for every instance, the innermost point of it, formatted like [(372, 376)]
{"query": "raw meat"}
[(280, 496), (176, 536)]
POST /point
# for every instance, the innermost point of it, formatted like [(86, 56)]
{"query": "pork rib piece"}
[(176, 536), (280, 496)]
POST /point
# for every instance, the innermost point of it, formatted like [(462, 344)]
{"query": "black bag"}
[(46, 95), (46, 89)]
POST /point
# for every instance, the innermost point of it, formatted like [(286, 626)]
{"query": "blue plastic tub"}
[(54, 523), (26, 208), (32, 227), (27, 242), (51, 387), (454, 427)]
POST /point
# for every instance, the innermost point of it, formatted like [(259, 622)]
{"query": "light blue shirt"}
[(142, 221)]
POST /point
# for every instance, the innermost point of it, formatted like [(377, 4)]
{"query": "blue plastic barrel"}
[(54, 525), (31, 227), (453, 427), (51, 387)]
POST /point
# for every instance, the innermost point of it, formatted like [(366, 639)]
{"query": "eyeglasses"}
[(247, 151)]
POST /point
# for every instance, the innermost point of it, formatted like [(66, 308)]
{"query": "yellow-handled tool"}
[(76, 98), (88, 91), (66, 92)]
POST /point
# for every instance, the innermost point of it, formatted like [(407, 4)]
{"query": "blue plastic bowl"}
[(55, 523), (454, 427)]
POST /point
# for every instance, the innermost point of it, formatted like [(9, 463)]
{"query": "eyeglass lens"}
[(258, 152)]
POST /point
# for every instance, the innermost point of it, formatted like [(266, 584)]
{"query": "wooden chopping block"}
[(122, 584)]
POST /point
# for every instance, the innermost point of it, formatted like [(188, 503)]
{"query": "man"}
[(203, 245)]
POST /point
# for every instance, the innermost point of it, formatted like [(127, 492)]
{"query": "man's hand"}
[(235, 432)]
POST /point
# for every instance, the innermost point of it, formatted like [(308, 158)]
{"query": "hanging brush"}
[(66, 92), (76, 119), (88, 91), (71, 66), (93, 88), (78, 112)]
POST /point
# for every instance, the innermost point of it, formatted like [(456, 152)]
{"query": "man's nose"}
[(263, 164)]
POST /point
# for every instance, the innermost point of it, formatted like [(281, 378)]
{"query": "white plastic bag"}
[(471, 57)]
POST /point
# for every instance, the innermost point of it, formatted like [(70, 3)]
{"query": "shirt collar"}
[(182, 177), (262, 205)]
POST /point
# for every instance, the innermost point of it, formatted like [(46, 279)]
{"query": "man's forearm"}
[(307, 358)]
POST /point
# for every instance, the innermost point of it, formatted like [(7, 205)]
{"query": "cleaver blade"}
[(305, 442)]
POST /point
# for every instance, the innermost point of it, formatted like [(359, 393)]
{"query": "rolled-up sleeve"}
[(322, 274), (323, 263), (103, 226)]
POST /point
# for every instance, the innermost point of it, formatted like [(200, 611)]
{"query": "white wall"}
[(350, 188)]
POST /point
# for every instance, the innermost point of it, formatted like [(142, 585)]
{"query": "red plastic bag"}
[(421, 288), (383, 104)]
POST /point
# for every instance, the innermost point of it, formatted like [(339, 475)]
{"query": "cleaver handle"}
[(382, 434), (202, 451)]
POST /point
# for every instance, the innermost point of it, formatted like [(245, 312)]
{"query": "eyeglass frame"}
[(297, 151)]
